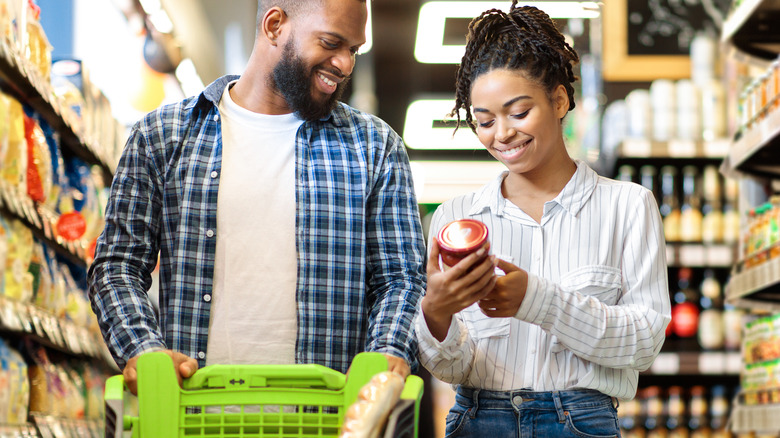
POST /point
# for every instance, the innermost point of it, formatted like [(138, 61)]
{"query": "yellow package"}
[(18, 280), (14, 165)]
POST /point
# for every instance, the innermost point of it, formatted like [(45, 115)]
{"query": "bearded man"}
[(284, 221)]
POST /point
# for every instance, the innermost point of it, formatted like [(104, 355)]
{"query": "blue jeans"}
[(559, 414)]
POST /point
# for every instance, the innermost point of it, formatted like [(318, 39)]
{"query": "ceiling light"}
[(161, 21), (365, 48), (188, 77), (430, 48)]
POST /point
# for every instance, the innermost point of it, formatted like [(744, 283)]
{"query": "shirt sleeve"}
[(630, 333), (396, 256), (126, 255)]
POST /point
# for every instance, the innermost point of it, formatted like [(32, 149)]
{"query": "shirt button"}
[(517, 400), (216, 117), (207, 298), (201, 355), (214, 174), (210, 233)]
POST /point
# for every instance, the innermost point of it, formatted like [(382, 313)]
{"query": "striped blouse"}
[(597, 302)]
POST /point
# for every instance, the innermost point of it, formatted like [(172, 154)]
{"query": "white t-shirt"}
[(253, 308)]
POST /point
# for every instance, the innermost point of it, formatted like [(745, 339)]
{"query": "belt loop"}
[(559, 406), (475, 399)]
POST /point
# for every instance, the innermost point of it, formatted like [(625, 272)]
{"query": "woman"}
[(548, 343)]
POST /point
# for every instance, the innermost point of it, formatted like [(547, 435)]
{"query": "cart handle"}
[(242, 377)]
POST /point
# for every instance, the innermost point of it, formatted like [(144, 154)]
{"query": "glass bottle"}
[(670, 205), (712, 212), (675, 418), (648, 179), (690, 211), (719, 412), (711, 330), (685, 309), (697, 423), (655, 424), (731, 225), (626, 173)]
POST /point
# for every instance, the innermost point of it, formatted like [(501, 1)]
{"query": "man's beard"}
[(294, 81)]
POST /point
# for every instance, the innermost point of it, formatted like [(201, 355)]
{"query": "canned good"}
[(460, 238)]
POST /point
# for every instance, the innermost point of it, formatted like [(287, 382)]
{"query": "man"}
[(285, 221)]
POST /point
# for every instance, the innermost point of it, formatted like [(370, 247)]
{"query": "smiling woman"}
[(573, 303)]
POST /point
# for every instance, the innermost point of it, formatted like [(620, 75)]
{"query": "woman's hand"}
[(453, 290), (506, 297)]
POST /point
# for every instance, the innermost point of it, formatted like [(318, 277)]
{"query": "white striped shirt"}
[(597, 301)]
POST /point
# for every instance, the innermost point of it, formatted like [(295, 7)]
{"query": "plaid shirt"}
[(360, 247)]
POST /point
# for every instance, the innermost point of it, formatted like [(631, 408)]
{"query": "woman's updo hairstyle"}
[(524, 39)]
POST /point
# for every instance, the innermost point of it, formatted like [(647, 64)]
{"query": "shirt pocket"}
[(481, 326), (601, 282)]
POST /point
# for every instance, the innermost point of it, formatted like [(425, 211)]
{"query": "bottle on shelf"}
[(626, 173), (712, 211), (690, 210), (629, 419), (711, 331), (685, 310), (719, 412), (675, 413), (648, 180), (670, 206), (654, 410), (697, 422)]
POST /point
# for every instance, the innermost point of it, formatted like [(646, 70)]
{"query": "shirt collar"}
[(572, 198), (213, 93)]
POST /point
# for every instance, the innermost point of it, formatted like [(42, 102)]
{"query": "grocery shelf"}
[(759, 418), (51, 331), (19, 79), (753, 287), (674, 148), (751, 28), (757, 151), (41, 222)]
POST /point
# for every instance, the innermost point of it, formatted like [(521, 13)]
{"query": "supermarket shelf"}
[(45, 328), (700, 255), (751, 28), (18, 430), (21, 80), (758, 150), (41, 222), (713, 363), (49, 426), (646, 148), (760, 418), (754, 287)]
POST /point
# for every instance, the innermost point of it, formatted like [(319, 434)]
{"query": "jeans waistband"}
[(526, 395)]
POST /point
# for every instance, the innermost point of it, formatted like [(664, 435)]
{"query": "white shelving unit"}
[(751, 31)]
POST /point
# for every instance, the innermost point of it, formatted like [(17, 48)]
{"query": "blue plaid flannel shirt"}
[(361, 254)]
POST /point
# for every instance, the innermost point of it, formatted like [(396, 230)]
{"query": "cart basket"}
[(238, 401)]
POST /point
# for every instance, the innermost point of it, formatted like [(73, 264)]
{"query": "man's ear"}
[(271, 25), (561, 101)]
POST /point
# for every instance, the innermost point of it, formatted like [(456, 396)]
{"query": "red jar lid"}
[(462, 236)]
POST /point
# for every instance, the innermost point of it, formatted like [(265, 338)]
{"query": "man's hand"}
[(506, 297), (185, 367), (453, 290), (398, 366)]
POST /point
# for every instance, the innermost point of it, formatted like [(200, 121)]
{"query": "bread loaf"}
[(367, 416)]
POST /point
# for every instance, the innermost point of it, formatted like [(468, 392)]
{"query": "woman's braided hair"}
[(524, 39)]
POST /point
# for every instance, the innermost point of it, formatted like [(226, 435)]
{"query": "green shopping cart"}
[(242, 401)]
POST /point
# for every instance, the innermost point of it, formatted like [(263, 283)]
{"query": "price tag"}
[(720, 256), (682, 148), (671, 256), (716, 148), (666, 363), (637, 147), (712, 363), (733, 363), (692, 255)]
